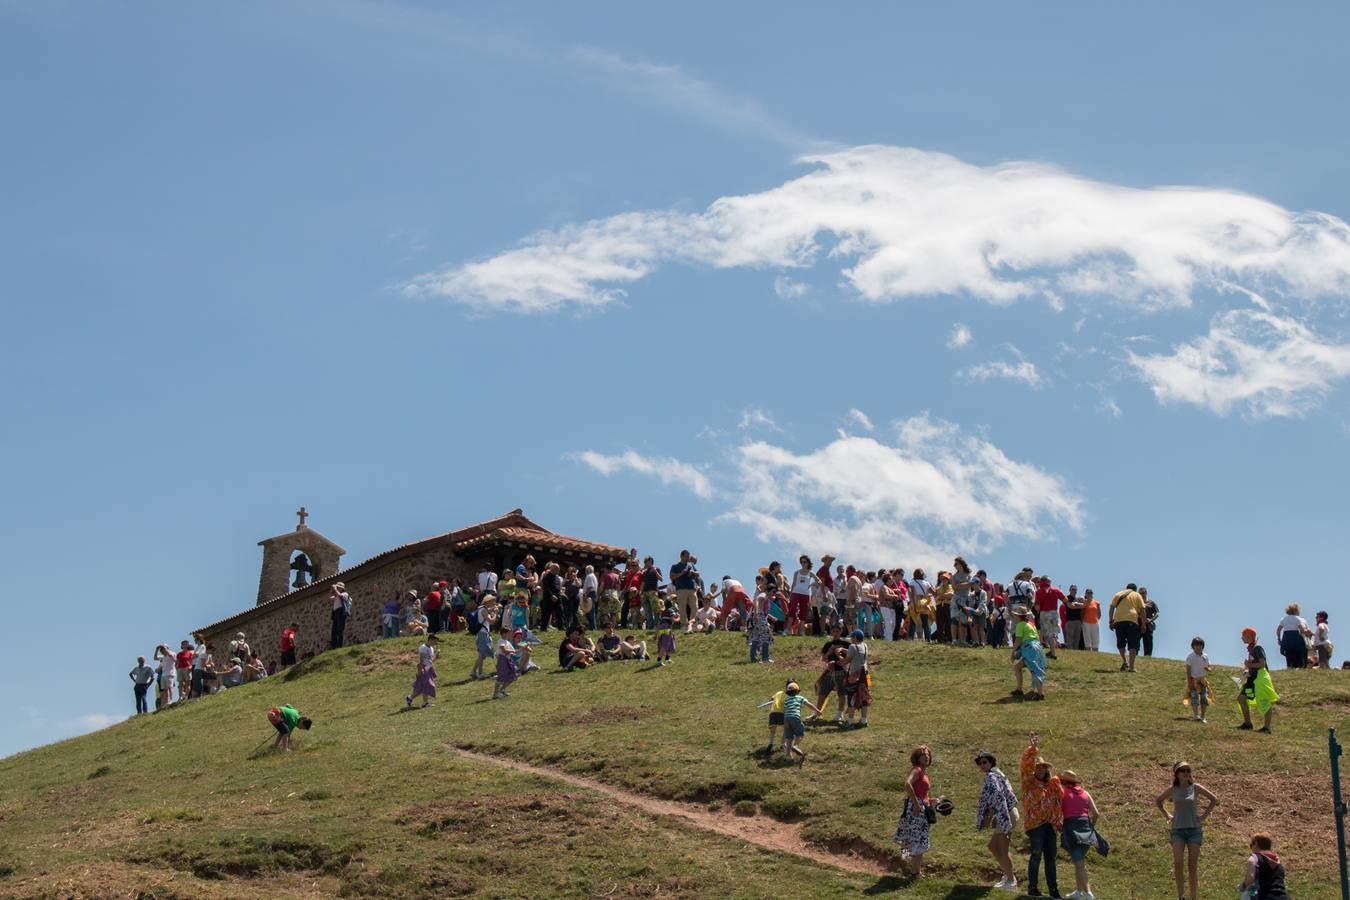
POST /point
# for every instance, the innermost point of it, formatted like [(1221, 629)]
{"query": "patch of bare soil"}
[(768, 833), (387, 662), (1295, 808)]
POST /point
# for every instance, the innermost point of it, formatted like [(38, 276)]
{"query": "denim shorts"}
[(1188, 836), (793, 728)]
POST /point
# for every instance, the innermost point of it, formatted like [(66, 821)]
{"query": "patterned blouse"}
[(1042, 801), (997, 802)]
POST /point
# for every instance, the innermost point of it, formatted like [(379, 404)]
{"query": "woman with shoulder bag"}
[(917, 816)]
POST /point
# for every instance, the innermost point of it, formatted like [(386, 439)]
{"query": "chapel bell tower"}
[(296, 559)]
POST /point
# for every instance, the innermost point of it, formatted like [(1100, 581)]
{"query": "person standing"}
[(1258, 689), (1150, 624), (590, 597), (855, 684), (1073, 619), (759, 632), (1291, 635), (341, 611), (1322, 641), (887, 598), (287, 646), (1080, 830), (1187, 826), (799, 597), (183, 669), (431, 606), (1042, 816), (142, 676), (487, 580), (1048, 599), (550, 597), (651, 583), (911, 832), (920, 598), (164, 662), (424, 685), (963, 584), (1092, 622), (1028, 655), (1125, 618), (822, 596), (997, 811), (199, 655), (684, 578)]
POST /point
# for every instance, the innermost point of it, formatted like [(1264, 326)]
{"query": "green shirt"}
[(291, 716), (1025, 631), (792, 706)]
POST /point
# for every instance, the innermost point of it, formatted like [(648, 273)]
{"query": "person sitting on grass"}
[(609, 645), (233, 674), (417, 620), (1028, 655), (1264, 877), (255, 670), (286, 719), (793, 730), (704, 620), (571, 653), (1259, 689), (632, 647), (524, 652)]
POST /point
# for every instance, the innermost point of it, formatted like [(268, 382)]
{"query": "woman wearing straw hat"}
[(1188, 824), (1080, 830), (1042, 815)]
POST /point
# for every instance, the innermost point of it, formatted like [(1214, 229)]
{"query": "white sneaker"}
[(1007, 884)]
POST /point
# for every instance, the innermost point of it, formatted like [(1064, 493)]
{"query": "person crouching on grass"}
[(793, 729), (1264, 878), (286, 719)]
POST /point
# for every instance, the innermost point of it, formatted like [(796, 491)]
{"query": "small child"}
[(1197, 682), (631, 648), (793, 729), (776, 702), (665, 633), (484, 618), (507, 668), (1264, 877)]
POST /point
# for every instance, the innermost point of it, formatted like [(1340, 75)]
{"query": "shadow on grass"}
[(1009, 699), (888, 884)]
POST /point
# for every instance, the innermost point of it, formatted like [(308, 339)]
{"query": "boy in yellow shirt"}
[(775, 717)]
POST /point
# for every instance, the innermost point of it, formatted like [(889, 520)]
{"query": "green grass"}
[(375, 802)]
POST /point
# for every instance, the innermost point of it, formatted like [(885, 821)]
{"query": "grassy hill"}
[(381, 801)]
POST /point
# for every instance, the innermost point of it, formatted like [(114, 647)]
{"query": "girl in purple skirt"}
[(507, 669), (424, 685)]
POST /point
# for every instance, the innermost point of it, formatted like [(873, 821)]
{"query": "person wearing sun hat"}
[(1042, 815), (1027, 654), (1080, 831)]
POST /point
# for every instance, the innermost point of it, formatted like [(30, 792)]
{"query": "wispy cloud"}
[(787, 288), (1109, 406), (1258, 363), (910, 223), (1018, 368), (668, 471), (757, 418), (857, 415), (960, 337)]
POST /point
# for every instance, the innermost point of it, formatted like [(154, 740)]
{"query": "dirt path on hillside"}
[(760, 830)]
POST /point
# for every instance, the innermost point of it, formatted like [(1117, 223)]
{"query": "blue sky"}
[(1063, 287)]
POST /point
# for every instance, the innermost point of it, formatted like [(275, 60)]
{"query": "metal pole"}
[(1335, 748)]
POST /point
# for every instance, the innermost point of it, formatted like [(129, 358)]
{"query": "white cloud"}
[(935, 491), (676, 87), (960, 337), (668, 471), (1110, 407), (908, 223), (95, 721), (787, 288), (757, 418), (1019, 368), (1256, 362), (857, 415)]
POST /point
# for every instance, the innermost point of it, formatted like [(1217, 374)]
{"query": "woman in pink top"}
[(1080, 829), (911, 833)]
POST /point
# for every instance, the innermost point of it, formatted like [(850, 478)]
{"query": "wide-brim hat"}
[(1070, 776), (944, 806), (1041, 761)]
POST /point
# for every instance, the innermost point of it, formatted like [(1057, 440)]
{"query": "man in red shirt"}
[(1048, 599), (182, 663), (632, 591), (288, 644), (431, 605)]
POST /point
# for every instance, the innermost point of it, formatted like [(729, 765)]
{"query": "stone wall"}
[(311, 608)]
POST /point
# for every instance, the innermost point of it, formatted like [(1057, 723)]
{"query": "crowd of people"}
[(637, 609)]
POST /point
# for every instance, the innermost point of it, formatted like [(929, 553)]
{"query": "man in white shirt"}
[(487, 581)]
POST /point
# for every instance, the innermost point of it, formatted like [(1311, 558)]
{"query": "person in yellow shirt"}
[(775, 704), (1125, 618)]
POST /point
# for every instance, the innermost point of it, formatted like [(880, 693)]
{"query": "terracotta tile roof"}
[(541, 538), (514, 521)]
